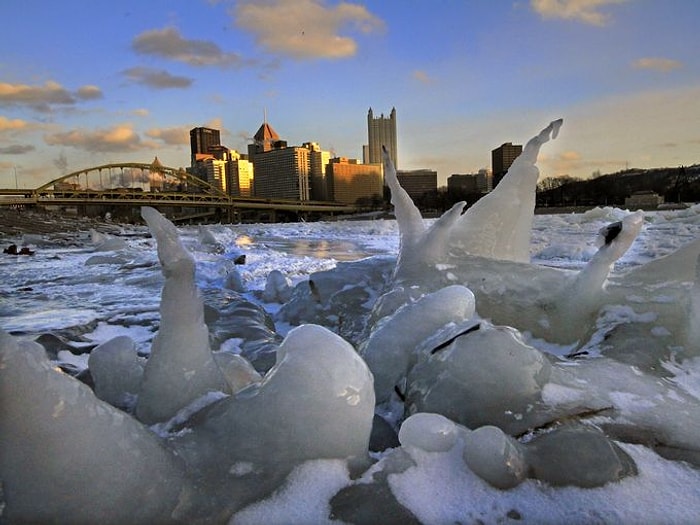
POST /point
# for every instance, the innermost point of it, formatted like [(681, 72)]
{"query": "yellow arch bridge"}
[(123, 188)]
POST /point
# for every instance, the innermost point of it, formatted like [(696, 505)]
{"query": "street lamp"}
[(16, 185)]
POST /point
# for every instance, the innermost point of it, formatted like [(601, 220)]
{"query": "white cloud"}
[(305, 29), (587, 11), (117, 139), (176, 136)]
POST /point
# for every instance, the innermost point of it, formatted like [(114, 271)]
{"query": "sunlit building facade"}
[(381, 131), (241, 177), (350, 182), (318, 160), (282, 173)]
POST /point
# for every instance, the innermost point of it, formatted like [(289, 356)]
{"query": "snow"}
[(528, 371)]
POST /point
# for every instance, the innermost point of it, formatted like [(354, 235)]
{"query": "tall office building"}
[(480, 182), (263, 140), (282, 172), (349, 181), (381, 131), (240, 176), (501, 159), (201, 139), (418, 182), (318, 160)]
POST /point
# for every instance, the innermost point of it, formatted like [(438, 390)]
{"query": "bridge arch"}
[(132, 176)]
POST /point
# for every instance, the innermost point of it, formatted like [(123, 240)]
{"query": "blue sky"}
[(84, 83)]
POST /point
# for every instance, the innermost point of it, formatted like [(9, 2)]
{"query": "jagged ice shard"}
[(181, 367)]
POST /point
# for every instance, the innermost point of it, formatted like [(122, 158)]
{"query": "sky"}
[(85, 83)]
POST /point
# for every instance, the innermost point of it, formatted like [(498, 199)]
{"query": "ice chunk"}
[(316, 402), (390, 351), (408, 217), (495, 457), (106, 243), (209, 241), (498, 225), (66, 455), (580, 455), (239, 373), (486, 377), (117, 371), (278, 288), (181, 367), (430, 432), (693, 330)]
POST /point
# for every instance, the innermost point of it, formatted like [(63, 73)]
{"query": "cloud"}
[(16, 149), (663, 65), (175, 136), (16, 124), (117, 139), (141, 112), (168, 43), (156, 78), (587, 11), (42, 98), (305, 29), (89, 93), (422, 77)]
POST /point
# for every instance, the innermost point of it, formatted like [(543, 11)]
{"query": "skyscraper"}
[(381, 131), (201, 139), (501, 159)]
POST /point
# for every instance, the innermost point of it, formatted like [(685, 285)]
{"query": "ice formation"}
[(436, 361), (181, 367)]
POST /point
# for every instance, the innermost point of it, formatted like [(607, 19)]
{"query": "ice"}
[(512, 366), (181, 367), (390, 350), (466, 381), (495, 456), (430, 432), (317, 402), (278, 288), (117, 371), (238, 371), (66, 455), (498, 225), (106, 243)]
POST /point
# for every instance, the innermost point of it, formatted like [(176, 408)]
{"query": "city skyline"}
[(89, 83)]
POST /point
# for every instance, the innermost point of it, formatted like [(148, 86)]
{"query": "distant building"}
[(282, 173), (201, 140), (644, 199), (481, 182), (216, 173), (502, 158), (318, 160), (418, 182), (350, 182), (263, 140), (241, 177), (462, 183), (381, 131)]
